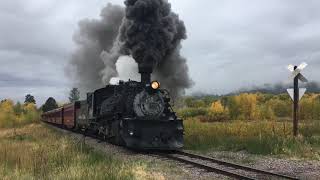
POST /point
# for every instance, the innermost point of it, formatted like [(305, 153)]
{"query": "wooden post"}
[(295, 104)]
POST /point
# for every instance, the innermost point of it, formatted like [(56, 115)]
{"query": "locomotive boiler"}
[(134, 114)]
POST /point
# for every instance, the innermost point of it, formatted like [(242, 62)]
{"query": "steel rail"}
[(208, 168), (234, 165)]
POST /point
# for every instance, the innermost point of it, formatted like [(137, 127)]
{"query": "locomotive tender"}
[(134, 114)]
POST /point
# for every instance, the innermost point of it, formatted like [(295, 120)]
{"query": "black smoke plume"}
[(147, 30), (94, 37)]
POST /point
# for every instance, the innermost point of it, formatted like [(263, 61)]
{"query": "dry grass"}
[(259, 137), (34, 152)]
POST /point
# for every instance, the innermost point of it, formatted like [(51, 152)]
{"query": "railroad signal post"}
[(296, 93)]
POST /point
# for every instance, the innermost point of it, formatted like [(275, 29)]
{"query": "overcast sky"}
[(231, 44)]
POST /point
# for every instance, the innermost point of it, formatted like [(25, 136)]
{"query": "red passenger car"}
[(65, 116), (70, 114), (54, 116)]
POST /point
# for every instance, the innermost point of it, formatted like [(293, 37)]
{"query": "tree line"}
[(16, 114), (13, 115), (249, 106), (51, 103)]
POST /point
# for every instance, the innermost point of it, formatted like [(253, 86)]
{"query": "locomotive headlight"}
[(155, 85)]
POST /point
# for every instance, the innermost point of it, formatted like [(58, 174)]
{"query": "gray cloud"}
[(13, 81), (247, 43), (231, 44)]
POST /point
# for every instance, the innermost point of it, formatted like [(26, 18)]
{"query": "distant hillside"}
[(278, 88), (312, 87)]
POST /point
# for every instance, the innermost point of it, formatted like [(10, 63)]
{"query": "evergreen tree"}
[(74, 95), (4, 100), (50, 104), (18, 108), (29, 99)]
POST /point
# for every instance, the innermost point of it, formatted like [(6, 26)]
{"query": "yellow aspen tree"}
[(217, 107), (218, 112), (7, 115)]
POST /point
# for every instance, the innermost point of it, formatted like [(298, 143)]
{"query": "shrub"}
[(7, 115), (30, 114), (192, 112), (281, 108), (266, 112), (16, 115), (216, 113)]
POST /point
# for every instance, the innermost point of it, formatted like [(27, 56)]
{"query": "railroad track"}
[(213, 165), (222, 167)]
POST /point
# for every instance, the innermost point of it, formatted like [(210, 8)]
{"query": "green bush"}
[(16, 115), (192, 112)]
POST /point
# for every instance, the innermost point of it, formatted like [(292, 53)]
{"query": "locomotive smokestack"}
[(145, 72), (146, 78)]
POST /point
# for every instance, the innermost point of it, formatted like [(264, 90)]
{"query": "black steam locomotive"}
[(134, 114)]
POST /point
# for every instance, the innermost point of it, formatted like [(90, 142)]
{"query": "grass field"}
[(258, 137), (35, 152)]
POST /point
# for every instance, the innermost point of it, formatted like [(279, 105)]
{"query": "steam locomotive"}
[(134, 114)]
